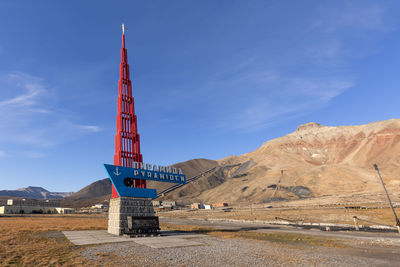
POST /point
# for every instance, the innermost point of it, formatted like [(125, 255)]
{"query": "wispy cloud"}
[(281, 97), (320, 70), (299, 70), (27, 117), (2, 154), (84, 128), (359, 16), (26, 93), (32, 89), (35, 154), (343, 28)]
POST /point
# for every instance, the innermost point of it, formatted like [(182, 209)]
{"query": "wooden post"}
[(356, 223)]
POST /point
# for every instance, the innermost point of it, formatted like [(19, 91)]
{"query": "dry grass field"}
[(37, 240), (313, 215), (292, 239)]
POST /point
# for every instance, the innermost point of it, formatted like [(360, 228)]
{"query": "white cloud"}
[(90, 128), (2, 154), (308, 74), (351, 17), (362, 16), (27, 117), (259, 77), (286, 97), (32, 154), (85, 128), (32, 90), (321, 90), (346, 32)]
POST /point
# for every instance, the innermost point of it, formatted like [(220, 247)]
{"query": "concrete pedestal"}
[(122, 207)]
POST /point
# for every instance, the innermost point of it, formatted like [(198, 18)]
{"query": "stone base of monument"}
[(139, 226), (130, 215)]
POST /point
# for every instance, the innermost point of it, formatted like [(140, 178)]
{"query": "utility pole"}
[(388, 198), (280, 180), (278, 186)]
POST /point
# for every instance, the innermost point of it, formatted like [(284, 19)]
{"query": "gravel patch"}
[(231, 252)]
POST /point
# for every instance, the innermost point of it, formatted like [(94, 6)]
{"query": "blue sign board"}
[(120, 178)]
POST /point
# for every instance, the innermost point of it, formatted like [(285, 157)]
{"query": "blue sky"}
[(210, 78)]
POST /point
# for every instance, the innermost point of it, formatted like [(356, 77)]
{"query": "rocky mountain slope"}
[(34, 192), (100, 190), (314, 160)]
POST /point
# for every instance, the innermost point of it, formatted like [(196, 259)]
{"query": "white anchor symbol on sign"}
[(117, 173)]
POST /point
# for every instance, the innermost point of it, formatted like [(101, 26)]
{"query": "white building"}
[(11, 208), (99, 206), (168, 203)]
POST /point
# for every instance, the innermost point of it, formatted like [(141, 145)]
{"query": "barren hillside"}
[(314, 160)]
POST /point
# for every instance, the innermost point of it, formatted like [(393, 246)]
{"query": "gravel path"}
[(236, 252)]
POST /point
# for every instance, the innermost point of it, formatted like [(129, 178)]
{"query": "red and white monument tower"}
[(127, 141), (131, 211)]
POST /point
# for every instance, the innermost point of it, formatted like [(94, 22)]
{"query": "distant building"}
[(22, 208), (99, 206), (196, 206), (201, 206), (156, 203), (220, 205), (168, 203), (164, 205), (65, 210)]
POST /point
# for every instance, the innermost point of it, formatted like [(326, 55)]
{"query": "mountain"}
[(100, 190), (33, 192), (190, 168), (97, 189), (314, 160)]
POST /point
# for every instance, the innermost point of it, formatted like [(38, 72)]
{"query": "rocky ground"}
[(249, 244), (241, 252)]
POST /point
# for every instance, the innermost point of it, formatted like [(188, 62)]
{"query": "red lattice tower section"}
[(127, 141)]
